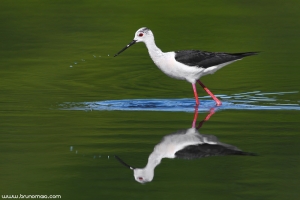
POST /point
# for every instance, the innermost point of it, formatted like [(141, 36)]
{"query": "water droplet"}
[(71, 148), (76, 151), (108, 55), (75, 63), (71, 66), (83, 60), (107, 157)]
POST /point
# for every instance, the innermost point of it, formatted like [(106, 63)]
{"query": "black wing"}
[(207, 59), (205, 150)]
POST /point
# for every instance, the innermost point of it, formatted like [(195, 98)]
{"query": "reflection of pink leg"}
[(195, 117), (211, 112), (218, 102), (195, 93)]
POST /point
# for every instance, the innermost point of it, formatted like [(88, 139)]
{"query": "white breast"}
[(172, 143), (167, 64)]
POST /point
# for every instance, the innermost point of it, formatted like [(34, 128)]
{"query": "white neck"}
[(153, 160), (153, 50)]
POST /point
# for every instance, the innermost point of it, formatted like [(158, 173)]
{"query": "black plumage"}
[(207, 59), (205, 150)]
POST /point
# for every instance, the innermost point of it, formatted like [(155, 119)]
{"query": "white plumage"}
[(189, 65)]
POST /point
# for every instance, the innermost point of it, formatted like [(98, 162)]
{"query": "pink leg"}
[(195, 93), (195, 117), (218, 102), (211, 112)]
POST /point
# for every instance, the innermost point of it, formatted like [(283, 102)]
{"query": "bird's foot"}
[(218, 103)]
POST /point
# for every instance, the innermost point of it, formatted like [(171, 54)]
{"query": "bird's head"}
[(144, 175), (142, 35), (140, 175)]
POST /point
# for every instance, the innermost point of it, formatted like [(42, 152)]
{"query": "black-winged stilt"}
[(184, 144), (189, 65)]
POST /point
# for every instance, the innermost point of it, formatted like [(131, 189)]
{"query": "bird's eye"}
[(140, 178), (141, 34)]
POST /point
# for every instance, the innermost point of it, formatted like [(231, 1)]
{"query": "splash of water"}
[(255, 100)]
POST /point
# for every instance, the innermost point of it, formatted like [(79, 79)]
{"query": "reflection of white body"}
[(186, 144)]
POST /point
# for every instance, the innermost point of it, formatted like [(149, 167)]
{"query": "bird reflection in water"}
[(184, 144)]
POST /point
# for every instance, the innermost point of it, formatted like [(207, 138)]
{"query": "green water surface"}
[(53, 52)]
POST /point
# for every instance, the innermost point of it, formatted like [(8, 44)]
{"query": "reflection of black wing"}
[(205, 150), (206, 59)]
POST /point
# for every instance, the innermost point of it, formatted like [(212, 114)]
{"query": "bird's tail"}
[(245, 54), (242, 153)]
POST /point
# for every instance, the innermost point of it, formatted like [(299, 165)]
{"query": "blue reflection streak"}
[(242, 101)]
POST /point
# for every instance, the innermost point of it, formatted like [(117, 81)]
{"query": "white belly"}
[(167, 64), (174, 69), (172, 143)]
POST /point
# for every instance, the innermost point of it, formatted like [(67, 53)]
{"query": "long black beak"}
[(125, 164), (127, 46)]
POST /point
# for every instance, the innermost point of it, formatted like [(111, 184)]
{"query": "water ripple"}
[(255, 100)]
